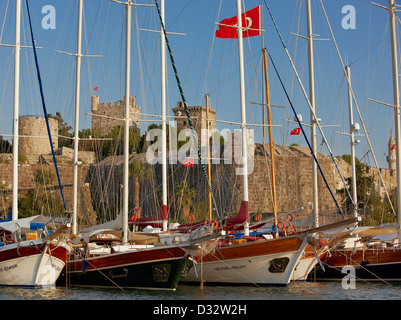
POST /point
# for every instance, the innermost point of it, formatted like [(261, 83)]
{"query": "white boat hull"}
[(32, 263), (252, 268)]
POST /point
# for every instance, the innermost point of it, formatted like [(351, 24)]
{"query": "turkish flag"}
[(296, 131), (393, 147), (95, 88), (189, 163), (250, 25)]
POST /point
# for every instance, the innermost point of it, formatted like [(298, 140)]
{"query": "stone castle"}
[(293, 165), (106, 116)]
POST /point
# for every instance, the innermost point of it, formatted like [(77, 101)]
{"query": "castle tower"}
[(34, 138), (391, 158), (198, 117), (111, 115)]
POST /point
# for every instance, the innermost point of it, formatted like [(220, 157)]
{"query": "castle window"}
[(185, 123)]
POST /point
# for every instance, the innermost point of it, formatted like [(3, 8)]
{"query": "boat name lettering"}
[(241, 266), (9, 267), (119, 275)]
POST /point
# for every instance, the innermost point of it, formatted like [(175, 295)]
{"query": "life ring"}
[(258, 217), (134, 217), (213, 224), (281, 225), (191, 217)]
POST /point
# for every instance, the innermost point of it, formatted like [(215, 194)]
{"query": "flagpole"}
[(243, 114)]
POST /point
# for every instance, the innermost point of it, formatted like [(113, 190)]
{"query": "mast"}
[(352, 137), (243, 113), (164, 126), (396, 94), (270, 136), (312, 113), (76, 129), (16, 107), (126, 121), (208, 159)]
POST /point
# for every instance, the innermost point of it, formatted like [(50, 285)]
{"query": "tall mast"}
[(126, 121), (396, 94), (243, 111), (76, 129), (270, 136), (163, 104), (208, 159), (312, 118), (352, 137), (16, 107)]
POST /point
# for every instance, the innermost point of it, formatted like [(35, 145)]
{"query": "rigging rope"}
[(309, 104), (44, 105), (304, 134), (186, 109)]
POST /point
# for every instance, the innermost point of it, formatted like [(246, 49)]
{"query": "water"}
[(191, 302), (294, 291)]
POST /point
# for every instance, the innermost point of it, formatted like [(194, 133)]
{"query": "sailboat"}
[(250, 260), (123, 263), (372, 260), (29, 255)]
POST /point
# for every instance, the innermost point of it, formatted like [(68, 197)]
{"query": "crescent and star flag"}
[(296, 131), (250, 25), (189, 163), (95, 88), (393, 147)]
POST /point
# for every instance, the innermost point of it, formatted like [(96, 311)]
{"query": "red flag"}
[(189, 163), (250, 25), (95, 88), (296, 131), (393, 147)]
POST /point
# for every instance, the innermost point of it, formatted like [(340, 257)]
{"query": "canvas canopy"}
[(23, 223)]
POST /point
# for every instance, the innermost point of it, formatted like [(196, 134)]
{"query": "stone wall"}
[(26, 175)]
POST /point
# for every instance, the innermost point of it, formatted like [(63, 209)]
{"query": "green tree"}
[(64, 130), (138, 170), (183, 198), (39, 200)]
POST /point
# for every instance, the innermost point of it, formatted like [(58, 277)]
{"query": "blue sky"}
[(207, 65)]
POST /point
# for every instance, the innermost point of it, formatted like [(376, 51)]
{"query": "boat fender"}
[(134, 217), (213, 224), (258, 217), (281, 225), (191, 217), (84, 265), (291, 226)]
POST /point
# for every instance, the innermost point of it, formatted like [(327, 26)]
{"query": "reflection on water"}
[(294, 291)]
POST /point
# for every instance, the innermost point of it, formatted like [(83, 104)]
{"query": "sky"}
[(209, 65)]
